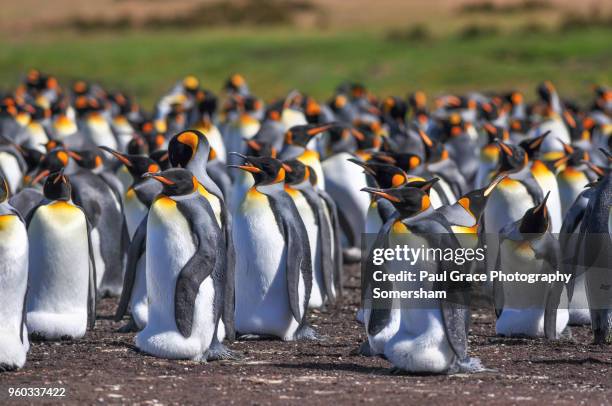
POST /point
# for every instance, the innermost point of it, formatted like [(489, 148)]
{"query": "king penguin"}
[(382, 322), (431, 336), (185, 272), (275, 287), (104, 211), (14, 343), (62, 289), (596, 256), (191, 150), (320, 228), (528, 247)]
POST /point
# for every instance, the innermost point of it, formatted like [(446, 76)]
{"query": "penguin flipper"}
[(455, 308), (338, 262), (327, 260), (456, 321), (381, 315), (297, 257), (23, 315), (498, 286), (229, 303), (551, 255), (207, 258), (135, 251), (92, 292)]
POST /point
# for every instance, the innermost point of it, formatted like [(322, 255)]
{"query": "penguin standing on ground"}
[(62, 289), (191, 150), (320, 228), (14, 343), (528, 247), (137, 200), (596, 257), (383, 322), (185, 273), (431, 337), (570, 241), (275, 287)]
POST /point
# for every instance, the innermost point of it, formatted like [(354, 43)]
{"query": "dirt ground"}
[(104, 367)]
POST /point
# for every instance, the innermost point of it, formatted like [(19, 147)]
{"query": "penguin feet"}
[(364, 350), (398, 371), (351, 255), (566, 334), (219, 352), (129, 327), (256, 337), (7, 367), (306, 332)]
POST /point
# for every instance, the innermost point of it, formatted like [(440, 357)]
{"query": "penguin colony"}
[(216, 221)]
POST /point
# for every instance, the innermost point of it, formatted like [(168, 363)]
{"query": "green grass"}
[(276, 61)]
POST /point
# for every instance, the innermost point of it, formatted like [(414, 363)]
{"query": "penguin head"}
[(175, 181), (417, 101), (474, 202), (512, 158), (408, 200), (236, 84), (265, 170), (434, 150), (137, 146), (536, 219), (532, 146), (32, 157), (187, 146), (260, 148), (161, 158), (574, 156), (494, 133), (137, 165), (298, 172), (4, 190), (453, 125), (312, 110), (54, 161), (386, 176), (395, 108), (403, 160), (368, 135), (603, 100), (344, 139), (80, 87), (87, 159), (300, 135), (207, 102), (57, 186), (191, 84), (548, 95), (52, 144)]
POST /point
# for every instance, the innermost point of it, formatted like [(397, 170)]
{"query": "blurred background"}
[(144, 46)]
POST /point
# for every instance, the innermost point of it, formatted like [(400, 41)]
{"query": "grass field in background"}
[(276, 61)]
